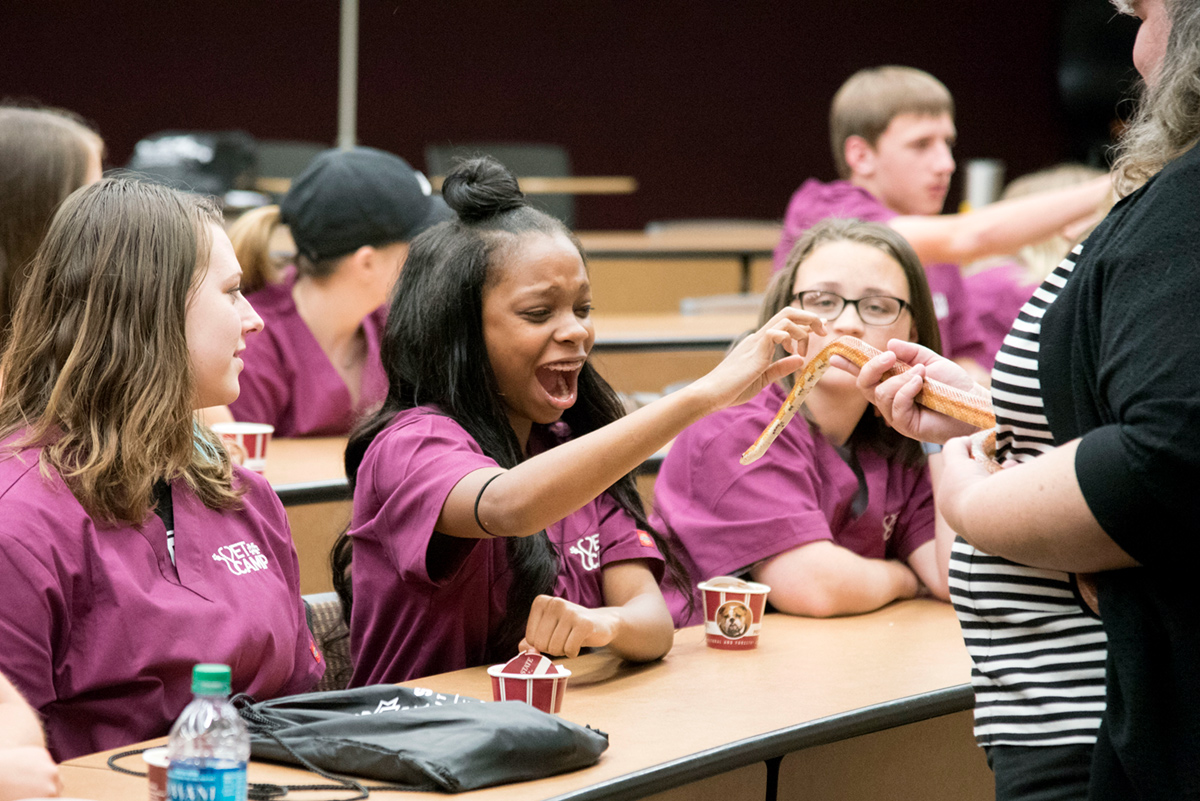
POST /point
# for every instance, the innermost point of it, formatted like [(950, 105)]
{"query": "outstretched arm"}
[(822, 579), (548, 487), (1002, 227)]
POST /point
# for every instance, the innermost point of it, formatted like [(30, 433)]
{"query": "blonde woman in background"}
[(999, 287)]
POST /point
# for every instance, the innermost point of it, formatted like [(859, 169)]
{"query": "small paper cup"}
[(544, 691), (733, 612), (246, 443), (156, 772)]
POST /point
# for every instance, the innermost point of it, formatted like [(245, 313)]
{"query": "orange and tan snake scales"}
[(934, 395)]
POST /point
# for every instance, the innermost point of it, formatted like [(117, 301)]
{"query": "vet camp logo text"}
[(588, 550), (241, 558)]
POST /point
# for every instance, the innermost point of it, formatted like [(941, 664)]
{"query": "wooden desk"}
[(700, 713), (530, 185), (718, 242), (662, 332), (309, 478), (567, 184), (308, 470)]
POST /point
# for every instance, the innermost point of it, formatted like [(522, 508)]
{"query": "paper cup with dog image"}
[(246, 443), (531, 678), (733, 612)]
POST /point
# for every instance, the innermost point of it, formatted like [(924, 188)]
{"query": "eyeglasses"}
[(872, 310)]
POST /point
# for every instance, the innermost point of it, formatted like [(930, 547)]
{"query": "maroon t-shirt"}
[(997, 295), (406, 623), (99, 630)]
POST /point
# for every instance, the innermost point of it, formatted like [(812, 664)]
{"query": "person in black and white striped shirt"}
[(1038, 656), (1102, 391)]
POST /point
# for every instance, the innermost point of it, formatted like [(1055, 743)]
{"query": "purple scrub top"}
[(406, 623), (289, 382), (815, 201), (99, 629), (721, 518), (997, 295)]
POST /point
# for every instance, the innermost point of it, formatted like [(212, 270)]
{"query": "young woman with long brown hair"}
[(133, 550), (838, 516)]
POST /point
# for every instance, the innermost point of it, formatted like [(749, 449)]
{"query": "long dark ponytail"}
[(432, 353)]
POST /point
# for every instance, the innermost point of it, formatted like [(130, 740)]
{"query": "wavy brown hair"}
[(97, 371), (1167, 122), (44, 155), (871, 430)]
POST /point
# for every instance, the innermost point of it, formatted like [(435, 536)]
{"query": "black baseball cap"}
[(346, 199)]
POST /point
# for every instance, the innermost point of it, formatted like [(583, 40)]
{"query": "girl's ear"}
[(912, 333), (360, 261)]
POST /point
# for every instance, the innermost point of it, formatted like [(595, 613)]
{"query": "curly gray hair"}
[(1167, 122)]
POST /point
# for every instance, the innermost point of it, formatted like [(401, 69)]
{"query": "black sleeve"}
[(1139, 460)]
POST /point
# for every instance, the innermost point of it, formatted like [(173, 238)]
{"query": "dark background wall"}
[(718, 109)]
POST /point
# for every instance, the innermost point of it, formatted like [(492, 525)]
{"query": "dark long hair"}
[(431, 352), (871, 430)]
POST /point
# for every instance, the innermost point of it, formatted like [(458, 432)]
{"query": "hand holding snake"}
[(970, 411)]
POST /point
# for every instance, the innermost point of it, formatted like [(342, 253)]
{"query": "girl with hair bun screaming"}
[(494, 503)]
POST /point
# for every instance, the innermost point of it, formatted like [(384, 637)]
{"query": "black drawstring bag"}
[(417, 739)]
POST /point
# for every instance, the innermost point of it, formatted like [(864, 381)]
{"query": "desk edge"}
[(304, 492), (843, 726)]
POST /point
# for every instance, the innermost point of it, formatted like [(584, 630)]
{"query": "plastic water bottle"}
[(209, 744)]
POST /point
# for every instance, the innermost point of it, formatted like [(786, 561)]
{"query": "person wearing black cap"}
[(315, 368)]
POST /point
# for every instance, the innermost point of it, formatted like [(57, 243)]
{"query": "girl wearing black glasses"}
[(838, 516)]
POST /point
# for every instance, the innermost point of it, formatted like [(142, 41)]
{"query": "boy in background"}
[(892, 134)]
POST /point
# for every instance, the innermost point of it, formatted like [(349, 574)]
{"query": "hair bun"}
[(480, 188)]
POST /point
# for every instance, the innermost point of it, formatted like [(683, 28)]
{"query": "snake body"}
[(934, 395)]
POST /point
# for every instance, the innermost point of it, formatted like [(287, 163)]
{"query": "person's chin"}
[(550, 416)]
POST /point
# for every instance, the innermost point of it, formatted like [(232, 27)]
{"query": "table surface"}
[(699, 240), (700, 712), (669, 329), (567, 184), (298, 461)]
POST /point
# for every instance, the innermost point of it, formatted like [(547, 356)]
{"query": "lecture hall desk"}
[(861, 694), (309, 478), (639, 271)]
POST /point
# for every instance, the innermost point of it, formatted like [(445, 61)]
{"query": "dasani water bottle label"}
[(191, 782)]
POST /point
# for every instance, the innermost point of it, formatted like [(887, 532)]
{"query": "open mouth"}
[(561, 382)]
